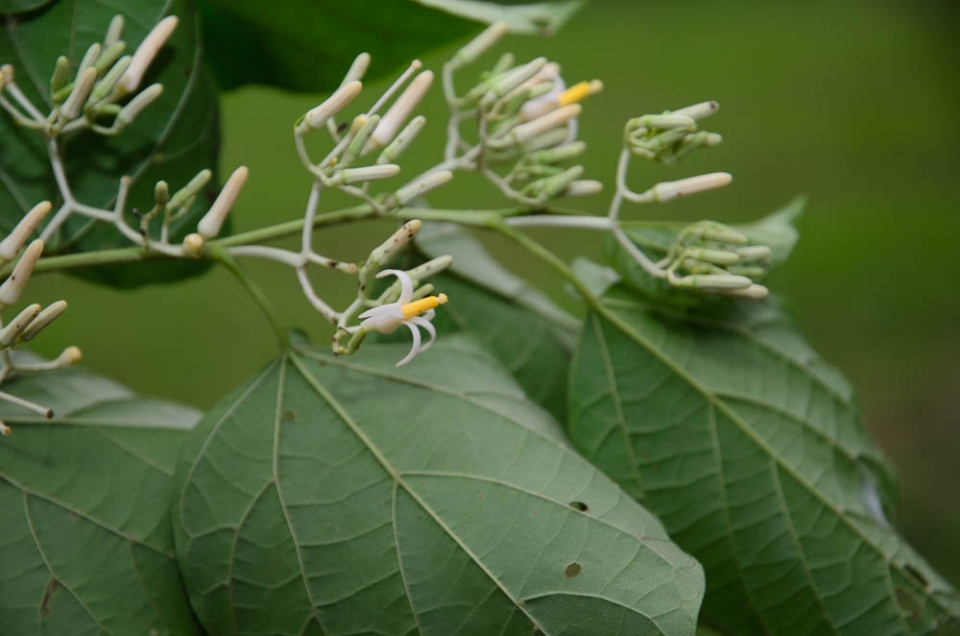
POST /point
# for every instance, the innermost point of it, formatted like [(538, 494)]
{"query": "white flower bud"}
[(43, 319), (393, 151), (357, 70), (713, 282), (136, 105), (190, 190), (146, 53), (90, 57), (480, 44), (70, 355), (699, 111), (4, 429), (669, 190), (82, 88), (114, 31), (400, 110), (754, 253), (583, 188), (192, 244), (11, 332), (431, 267), (60, 74), (715, 257), (209, 226), (10, 246), (420, 187), (105, 86), (317, 117), (12, 287), (755, 292), (397, 241), (525, 132), (367, 173), (514, 78)]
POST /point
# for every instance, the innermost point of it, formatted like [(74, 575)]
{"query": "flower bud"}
[(209, 226), (722, 234), (357, 70), (12, 330), (715, 257), (11, 288), (110, 55), (161, 193), (713, 282), (583, 188), (145, 54), (363, 127), (497, 87), (479, 45), (82, 88), (192, 244), (699, 111), (89, 58), (114, 31), (105, 87), (400, 110), (419, 187), (669, 190), (4, 429), (396, 147), (754, 253), (136, 105), (190, 190), (552, 186), (60, 74), (317, 117), (397, 241), (755, 292), (530, 130), (10, 246), (70, 355), (558, 154), (43, 319), (367, 173)]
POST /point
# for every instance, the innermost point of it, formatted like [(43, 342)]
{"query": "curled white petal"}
[(415, 348), (406, 285), (427, 326)]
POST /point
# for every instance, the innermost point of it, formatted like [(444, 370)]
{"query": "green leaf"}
[(85, 537), (751, 450), (21, 6), (520, 326), (307, 45), (777, 231), (173, 139), (343, 496)]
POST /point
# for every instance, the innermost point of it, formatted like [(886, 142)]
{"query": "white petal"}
[(415, 349), (385, 318), (406, 285), (425, 323)]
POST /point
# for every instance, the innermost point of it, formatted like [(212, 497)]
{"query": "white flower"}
[(419, 313)]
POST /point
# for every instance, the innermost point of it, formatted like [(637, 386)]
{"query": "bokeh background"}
[(852, 103)]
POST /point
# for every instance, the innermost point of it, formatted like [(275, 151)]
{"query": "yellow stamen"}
[(417, 307), (579, 92)]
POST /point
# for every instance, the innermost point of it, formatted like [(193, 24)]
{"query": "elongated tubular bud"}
[(400, 110), (398, 240), (190, 190), (552, 186), (754, 253), (669, 190), (11, 332), (756, 292), (11, 288), (713, 282), (550, 139), (420, 187), (138, 104), (714, 257), (526, 132), (209, 226), (499, 86), (82, 88), (114, 31), (106, 85), (60, 74), (110, 55), (558, 154), (400, 143), (6, 72), (145, 54), (43, 319), (479, 45), (316, 117), (722, 234), (357, 70), (699, 111), (11, 245), (90, 57), (583, 188), (662, 122), (367, 173), (362, 135)]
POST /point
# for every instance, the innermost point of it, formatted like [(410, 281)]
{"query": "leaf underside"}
[(173, 139), (335, 496), (85, 541), (750, 449)]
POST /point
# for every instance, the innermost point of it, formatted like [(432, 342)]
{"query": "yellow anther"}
[(417, 307), (579, 92)]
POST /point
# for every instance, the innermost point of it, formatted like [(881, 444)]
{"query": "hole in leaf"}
[(579, 505), (915, 574), (572, 570)]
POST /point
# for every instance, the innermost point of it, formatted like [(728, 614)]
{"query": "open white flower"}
[(415, 314)]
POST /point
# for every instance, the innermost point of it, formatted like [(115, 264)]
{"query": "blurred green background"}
[(852, 103)]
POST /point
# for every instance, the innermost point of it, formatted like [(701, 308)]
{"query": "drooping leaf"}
[(521, 327), (777, 231), (341, 495), (751, 450), (307, 45), (173, 139), (85, 541)]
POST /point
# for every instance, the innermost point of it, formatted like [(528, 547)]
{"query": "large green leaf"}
[(20, 6), (520, 326), (85, 542), (307, 45), (343, 496), (173, 139), (751, 451)]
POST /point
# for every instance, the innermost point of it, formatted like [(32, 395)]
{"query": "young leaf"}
[(173, 139), (335, 495), (307, 45), (521, 327), (751, 451), (85, 542)]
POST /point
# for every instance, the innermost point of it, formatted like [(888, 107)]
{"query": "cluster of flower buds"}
[(671, 135), (103, 93), (527, 114), (34, 318), (367, 147), (713, 258)]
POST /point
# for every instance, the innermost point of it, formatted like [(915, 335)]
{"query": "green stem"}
[(222, 256)]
